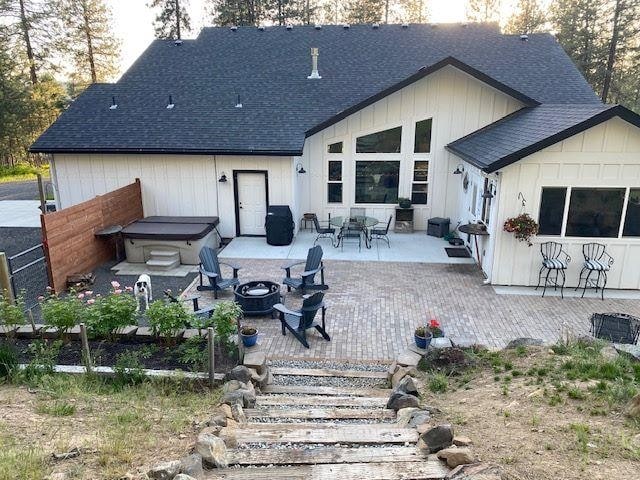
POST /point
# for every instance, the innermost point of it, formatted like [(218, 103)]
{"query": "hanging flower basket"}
[(523, 227)]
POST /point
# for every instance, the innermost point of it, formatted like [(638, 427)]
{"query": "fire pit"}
[(257, 298)]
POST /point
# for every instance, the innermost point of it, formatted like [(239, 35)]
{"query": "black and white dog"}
[(142, 291)]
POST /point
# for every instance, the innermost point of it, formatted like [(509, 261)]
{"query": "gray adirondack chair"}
[(210, 267), (202, 313), (312, 266), (299, 321)]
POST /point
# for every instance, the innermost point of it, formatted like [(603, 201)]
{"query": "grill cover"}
[(279, 225)]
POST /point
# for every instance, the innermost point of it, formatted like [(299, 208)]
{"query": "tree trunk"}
[(178, 19), (90, 55), (386, 12), (24, 25), (308, 13), (612, 51)]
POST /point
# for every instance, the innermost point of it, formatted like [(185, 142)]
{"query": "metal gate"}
[(28, 277)]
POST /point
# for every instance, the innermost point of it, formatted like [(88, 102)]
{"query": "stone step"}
[(278, 433), (302, 456), (164, 253), (333, 391), (320, 400), (316, 413), (429, 470), (162, 264), (327, 372)]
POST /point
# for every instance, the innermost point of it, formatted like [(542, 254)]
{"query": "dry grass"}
[(118, 429)]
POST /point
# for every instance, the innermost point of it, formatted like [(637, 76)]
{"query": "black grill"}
[(279, 225)]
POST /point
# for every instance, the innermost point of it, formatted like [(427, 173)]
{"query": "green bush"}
[(129, 368), (44, 358), (167, 318), (193, 352), (225, 319), (8, 360), (12, 313), (438, 383), (105, 315), (62, 312)]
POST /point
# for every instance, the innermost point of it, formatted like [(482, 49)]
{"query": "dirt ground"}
[(521, 428)]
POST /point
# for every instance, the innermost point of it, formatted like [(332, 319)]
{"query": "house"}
[(469, 123)]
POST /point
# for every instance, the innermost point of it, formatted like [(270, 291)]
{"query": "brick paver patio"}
[(374, 307)]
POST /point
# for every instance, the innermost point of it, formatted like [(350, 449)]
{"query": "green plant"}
[(8, 360), (57, 409), (62, 312), (128, 368), (438, 383), (582, 435), (523, 227), (167, 318), (225, 318), (105, 315), (193, 352), (12, 313), (404, 202), (44, 358)]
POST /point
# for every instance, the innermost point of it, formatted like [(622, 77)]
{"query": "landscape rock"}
[(409, 358), (403, 416), (609, 353), (226, 410), (402, 400), (419, 418), (164, 471), (422, 428), (219, 420), (240, 373), (192, 466), (634, 407), (462, 441), (441, 342), (261, 380), (456, 456), (255, 360), (421, 445), (182, 476), (524, 342), (249, 398), (391, 370), (237, 412), (400, 373), (212, 449), (233, 385), (633, 351), (438, 438), (408, 386), (233, 398)]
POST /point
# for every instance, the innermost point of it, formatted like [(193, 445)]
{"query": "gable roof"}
[(529, 130), (268, 70)]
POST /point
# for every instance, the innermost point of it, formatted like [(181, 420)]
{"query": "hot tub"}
[(156, 238)]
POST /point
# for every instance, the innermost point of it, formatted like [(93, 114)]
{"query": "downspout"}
[(493, 222), (54, 181)]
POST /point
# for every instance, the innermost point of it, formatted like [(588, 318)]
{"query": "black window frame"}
[(544, 228), (393, 199), (361, 146)]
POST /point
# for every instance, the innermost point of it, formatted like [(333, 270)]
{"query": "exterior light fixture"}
[(487, 194), (459, 169), (223, 178), (300, 169)]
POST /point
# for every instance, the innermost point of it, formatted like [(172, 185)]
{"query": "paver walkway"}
[(374, 307)]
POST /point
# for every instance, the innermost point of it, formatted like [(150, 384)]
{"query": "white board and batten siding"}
[(171, 184), (607, 155), (458, 105)]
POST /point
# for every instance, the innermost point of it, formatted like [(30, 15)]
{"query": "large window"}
[(552, 210), (632, 219), (386, 141), (422, 141), (420, 186), (334, 186), (595, 212), (377, 181)]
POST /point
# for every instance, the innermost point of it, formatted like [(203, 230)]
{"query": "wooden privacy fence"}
[(69, 234)]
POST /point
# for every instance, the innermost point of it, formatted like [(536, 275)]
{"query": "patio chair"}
[(312, 266), (210, 267), (554, 259), (324, 232), (357, 212), (299, 321), (203, 313), (596, 259), (382, 233), (351, 230)]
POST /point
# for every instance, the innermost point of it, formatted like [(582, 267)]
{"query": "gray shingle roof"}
[(269, 69), (531, 129)]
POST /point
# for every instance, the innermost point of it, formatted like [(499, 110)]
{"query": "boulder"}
[(249, 398), (632, 351), (240, 373), (233, 398), (524, 342), (408, 386), (391, 370), (219, 420), (212, 449), (225, 410), (233, 385), (438, 438), (192, 466), (255, 360), (403, 416), (462, 441), (402, 400), (237, 413), (182, 476), (455, 456), (409, 358), (400, 373), (634, 407), (261, 380), (419, 418), (164, 471)]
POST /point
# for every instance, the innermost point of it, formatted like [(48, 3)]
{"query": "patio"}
[(374, 306)]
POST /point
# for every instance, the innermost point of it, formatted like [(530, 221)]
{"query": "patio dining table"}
[(365, 221)]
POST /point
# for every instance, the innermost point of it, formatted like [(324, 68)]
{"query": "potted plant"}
[(435, 328), (249, 335), (404, 202), (422, 336), (523, 227)]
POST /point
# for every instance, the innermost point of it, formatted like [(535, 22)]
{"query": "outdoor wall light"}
[(487, 194), (223, 178), (300, 168), (459, 169)]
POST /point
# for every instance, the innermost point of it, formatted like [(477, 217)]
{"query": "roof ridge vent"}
[(261, 28), (177, 42), (233, 28), (170, 105), (314, 65), (524, 37), (376, 26), (113, 105), (238, 102), (289, 26), (345, 26), (317, 26), (405, 25)]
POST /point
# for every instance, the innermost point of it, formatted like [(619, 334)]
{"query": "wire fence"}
[(29, 277)]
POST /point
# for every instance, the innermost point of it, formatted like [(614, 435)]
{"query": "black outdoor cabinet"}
[(279, 225), (438, 227)]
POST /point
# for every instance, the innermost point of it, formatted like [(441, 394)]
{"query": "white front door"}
[(252, 202)]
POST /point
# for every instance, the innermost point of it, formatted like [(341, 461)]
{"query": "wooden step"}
[(321, 401), (302, 456), (327, 372), (162, 264), (337, 391), (320, 433), (429, 470), (321, 413)]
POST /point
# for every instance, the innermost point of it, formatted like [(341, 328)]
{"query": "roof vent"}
[(317, 26), (170, 105), (376, 25), (177, 42), (234, 28), (113, 105), (314, 65), (524, 37), (405, 25), (289, 26), (345, 26), (238, 102), (261, 28)]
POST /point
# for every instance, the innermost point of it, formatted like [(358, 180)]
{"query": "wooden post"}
[(240, 343), (86, 353), (5, 279), (41, 193), (212, 353)]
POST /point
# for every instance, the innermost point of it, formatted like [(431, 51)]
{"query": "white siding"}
[(607, 155), (458, 104), (171, 184)]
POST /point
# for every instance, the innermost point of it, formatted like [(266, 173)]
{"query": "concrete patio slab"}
[(19, 213)]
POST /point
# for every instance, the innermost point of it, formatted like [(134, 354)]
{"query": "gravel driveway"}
[(27, 190)]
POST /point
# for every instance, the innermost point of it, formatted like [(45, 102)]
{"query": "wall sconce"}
[(488, 194), (223, 178), (521, 197), (459, 169), (300, 169)]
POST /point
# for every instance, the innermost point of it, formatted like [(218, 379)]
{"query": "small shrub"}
[(58, 409), (521, 351), (62, 312), (438, 383), (193, 352), (575, 393), (129, 368), (44, 358), (167, 319), (8, 360), (449, 361), (12, 313), (582, 435), (105, 315), (225, 318)]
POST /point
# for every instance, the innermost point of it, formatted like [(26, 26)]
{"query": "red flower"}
[(433, 323)]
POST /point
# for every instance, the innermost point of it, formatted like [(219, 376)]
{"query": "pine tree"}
[(528, 18), (483, 10), (172, 20), (364, 11), (414, 11), (238, 12), (283, 12), (88, 39)]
